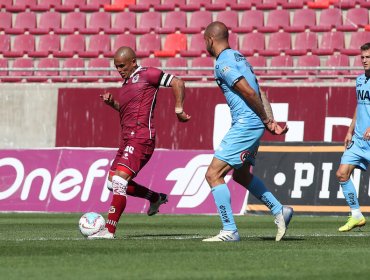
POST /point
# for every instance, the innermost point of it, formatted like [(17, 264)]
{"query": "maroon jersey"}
[(137, 101)]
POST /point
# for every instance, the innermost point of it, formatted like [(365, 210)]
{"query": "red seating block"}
[(196, 46), (256, 62), (118, 5), (304, 42), (357, 40), (73, 45), (281, 61), (277, 19), (293, 4), (195, 5), (220, 5), (22, 45), (199, 20), (229, 18), (329, 18), (42, 72), (307, 61), (17, 76), (5, 21), (252, 43), (357, 63), (95, 75), (302, 19), (278, 42), (144, 5), (337, 60), (330, 42), (128, 40), (148, 21), (68, 69), (49, 21), (70, 5), (201, 62), (148, 43), (99, 44), (48, 44), (176, 62), (4, 43), (241, 5), (251, 20), (174, 21), (174, 43), (73, 21), (45, 5), (24, 21), (3, 64), (151, 62), (355, 18), (169, 5), (20, 5), (124, 21), (99, 21), (93, 5)]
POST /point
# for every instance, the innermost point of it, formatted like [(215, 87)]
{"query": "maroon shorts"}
[(133, 154)]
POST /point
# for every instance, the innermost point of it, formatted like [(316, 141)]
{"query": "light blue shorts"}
[(240, 145), (357, 154)]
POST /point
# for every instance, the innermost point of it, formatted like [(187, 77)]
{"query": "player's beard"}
[(210, 50)]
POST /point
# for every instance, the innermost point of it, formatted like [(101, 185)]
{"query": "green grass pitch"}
[(49, 246)]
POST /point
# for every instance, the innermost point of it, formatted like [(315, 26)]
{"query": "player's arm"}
[(266, 104), (351, 129), (109, 100), (255, 102), (178, 89)]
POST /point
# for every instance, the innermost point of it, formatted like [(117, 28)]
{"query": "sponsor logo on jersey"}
[(135, 79)]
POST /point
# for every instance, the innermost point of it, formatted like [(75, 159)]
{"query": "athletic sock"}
[(221, 195), (259, 190), (118, 203), (134, 189), (350, 195)]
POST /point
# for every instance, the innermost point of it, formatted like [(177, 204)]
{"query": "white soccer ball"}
[(91, 223)]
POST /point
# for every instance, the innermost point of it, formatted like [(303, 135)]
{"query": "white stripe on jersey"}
[(166, 80)]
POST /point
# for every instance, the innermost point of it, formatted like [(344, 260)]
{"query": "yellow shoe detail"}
[(352, 223)]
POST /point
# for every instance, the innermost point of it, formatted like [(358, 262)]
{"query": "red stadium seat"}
[(194, 5), (252, 43), (5, 3), (251, 20), (150, 62), (4, 43), (72, 63), (174, 21), (46, 63), (278, 42), (22, 45), (241, 5), (20, 5), (337, 60), (73, 21), (3, 64), (330, 42), (148, 43), (281, 61), (302, 20), (48, 44), (16, 76), (118, 5), (24, 21), (293, 4), (95, 75), (233, 41), (128, 40), (144, 5), (99, 21), (196, 46), (267, 5), (307, 61), (99, 44), (124, 21), (169, 5), (357, 40), (176, 62), (148, 21), (73, 45), (5, 21), (45, 5), (173, 44), (199, 20), (220, 5), (357, 63), (304, 42), (277, 19), (345, 4), (93, 5), (329, 18), (70, 5), (201, 62), (364, 3), (229, 18), (257, 61), (49, 21), (355, 18)]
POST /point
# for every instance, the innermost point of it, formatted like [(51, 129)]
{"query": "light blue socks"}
[(221, 194), (258, 189), (350, 194)]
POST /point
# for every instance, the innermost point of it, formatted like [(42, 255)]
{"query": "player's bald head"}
[(218, 31), (125, 53)]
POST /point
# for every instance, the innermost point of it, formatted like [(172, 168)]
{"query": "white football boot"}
[(154, 206), (224, 235), (282, 221), (103, 234)]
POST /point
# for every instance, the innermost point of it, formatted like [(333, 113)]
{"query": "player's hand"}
[(183, 117), (107, 98), (367, 134), (347, 140), (274, 128)]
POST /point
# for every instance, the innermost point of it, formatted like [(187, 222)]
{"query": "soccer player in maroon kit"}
[(135, 103)]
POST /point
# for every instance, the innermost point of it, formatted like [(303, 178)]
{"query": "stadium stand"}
[(200, 62), (150, 62), (99, 44), (230, 18), (251, 20), (304, 42), (42, 76), (174, 43), (276, 20), (169, 5), (24, 21), (196, 46), (148, 44), (123, 22), (45, 5), (355, 18), (337, 60), (48, 44), (5, 21), (281, 61), (195, 5), (26, 65), (70, 5), (98, 22), (308, 61), (70, 63), (22, 45), (48, 22), (73, 45), (330, 42), (198, 22), (258, 62), (302, 20), (73, 21), (278, 42), (149, 21), (4, 43), (20, 5), (176, 63), (357, 39), (173, 21), (220, 5), (329, 19), (144, 5)]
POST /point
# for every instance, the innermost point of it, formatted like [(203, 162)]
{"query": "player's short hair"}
[(365, 47)]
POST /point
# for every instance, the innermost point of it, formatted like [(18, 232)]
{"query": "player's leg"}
[(356, 219), (221, 194), (257, 188)]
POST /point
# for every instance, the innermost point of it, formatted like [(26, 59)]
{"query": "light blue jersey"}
[(358, 152), (241, 142)]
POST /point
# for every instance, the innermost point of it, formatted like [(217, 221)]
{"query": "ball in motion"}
[(91, 223)]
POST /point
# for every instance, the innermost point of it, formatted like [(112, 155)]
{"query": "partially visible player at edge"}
[(135, 103), (357, 144), (251, 115)]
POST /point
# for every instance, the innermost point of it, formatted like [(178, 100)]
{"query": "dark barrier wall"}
[(312, 113)]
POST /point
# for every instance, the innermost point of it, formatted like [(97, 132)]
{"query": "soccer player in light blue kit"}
[(357, 144), (251, 115)]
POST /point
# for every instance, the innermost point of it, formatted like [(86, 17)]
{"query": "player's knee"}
[(342, 176), (119, 185), (211, 176)]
